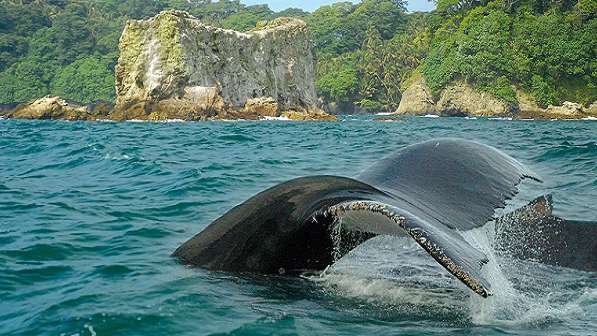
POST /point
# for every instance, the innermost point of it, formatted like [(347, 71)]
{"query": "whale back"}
[(534, 233)]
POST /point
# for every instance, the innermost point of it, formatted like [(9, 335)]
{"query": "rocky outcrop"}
[(529, 109), (567, 110), (172, 66), (592, 109), (417, 99), (58, 108), (527, 106), (460, 99)]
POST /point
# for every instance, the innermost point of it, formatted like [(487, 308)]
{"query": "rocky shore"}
[(172, 66), (460, 99), (58, 108)]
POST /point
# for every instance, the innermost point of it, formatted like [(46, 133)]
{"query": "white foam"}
[(396, 272), (429, 116), (283, 118), (533, 299), (382, 290), (89, 327)]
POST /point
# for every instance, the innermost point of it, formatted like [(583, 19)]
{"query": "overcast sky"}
[(311, 5)]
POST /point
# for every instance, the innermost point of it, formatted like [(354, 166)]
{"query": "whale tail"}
[(430, 192)]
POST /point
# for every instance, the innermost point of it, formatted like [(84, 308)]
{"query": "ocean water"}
[(90, 212)]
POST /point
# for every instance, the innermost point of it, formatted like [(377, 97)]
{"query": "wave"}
[(526, 294), (283, 118), (500, 118)]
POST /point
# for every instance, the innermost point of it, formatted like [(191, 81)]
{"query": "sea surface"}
[(91, 211)]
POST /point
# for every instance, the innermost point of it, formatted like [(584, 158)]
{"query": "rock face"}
[(460, 99), (417, 99), (592, 110), (567, 110), (527, 106), (529, 109), (58, 108), (173, 66)]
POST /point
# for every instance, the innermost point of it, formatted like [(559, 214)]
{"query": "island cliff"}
[(172, 66)]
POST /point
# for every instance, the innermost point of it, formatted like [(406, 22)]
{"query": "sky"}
[(311, 5)]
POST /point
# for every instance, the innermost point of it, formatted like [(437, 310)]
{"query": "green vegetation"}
[(366, 52), (546, 48)]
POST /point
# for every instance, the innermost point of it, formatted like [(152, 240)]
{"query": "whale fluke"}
[(430, 192)]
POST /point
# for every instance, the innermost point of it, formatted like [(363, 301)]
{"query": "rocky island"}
[(173, 66)]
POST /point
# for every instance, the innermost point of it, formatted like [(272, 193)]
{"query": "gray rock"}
[(174, 66)]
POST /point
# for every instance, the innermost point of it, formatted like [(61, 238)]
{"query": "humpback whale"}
[(431, 192)]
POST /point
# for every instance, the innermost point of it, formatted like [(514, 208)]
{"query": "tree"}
[(338, 78), (85, 80), (371, 66), (331, 31), (386, 16), (24, 80)]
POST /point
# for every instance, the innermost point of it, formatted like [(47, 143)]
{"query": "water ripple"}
[(90, 213)]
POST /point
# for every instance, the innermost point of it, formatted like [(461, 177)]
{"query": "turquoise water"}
[(90, 212)]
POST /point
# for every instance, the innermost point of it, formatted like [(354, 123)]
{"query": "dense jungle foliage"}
[(366, 52)]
